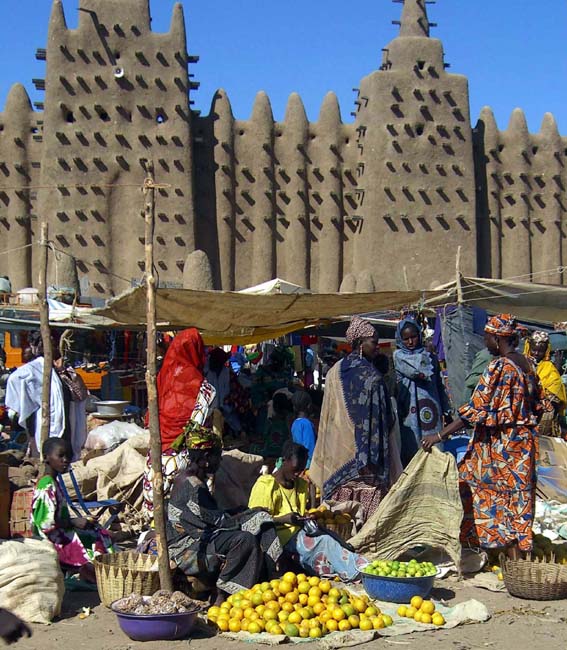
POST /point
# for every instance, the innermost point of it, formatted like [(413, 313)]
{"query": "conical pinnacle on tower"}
[(414, 20)]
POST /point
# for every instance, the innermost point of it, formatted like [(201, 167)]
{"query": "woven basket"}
[(121, 574), (534, 579), (344, 531)]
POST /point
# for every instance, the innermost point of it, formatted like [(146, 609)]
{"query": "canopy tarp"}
[(275, 286), (542, 303), (238, 318)]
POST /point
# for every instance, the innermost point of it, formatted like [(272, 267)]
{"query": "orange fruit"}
[(427, 607), (291, 630), (372, 611), (318, 608), (222, 624), (344, 626), (314, 581), (315, 633), (417, 616), (338, 614), (315, 592), (269, 615), (290, 577), (359, 605), (257, 598), (426, 618), (276, 629), (416, 601), (303, 587), (287, 607), (236, 613), (283, 616), (234, 625), (303, 599), (366, 624), (325, 586), (332, 625), (354, 621), (295, 618), (301, 577), (268, 595), (378, 623), (388, 621), (254, 628), (313, 600), (244, 623), (437, 619), (285, 587), (292, 597)]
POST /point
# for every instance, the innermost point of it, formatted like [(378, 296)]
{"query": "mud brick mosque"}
[(328, 205)]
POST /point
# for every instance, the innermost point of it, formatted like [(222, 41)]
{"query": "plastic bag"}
[(111, 434)]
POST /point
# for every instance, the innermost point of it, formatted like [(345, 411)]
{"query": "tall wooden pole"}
[(151, 383), (45, 331)]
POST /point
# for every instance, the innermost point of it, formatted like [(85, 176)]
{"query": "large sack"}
[(116, 475), (423, 508), (235, 477), (31, 582)]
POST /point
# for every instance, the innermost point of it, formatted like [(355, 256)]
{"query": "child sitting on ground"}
[(77, 540)]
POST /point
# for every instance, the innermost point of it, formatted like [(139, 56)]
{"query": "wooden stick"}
[(458, 277), (151, 383), (45, 331)]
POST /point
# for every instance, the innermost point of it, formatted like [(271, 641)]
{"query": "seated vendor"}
[(76, 540), (285, 496), (235, 550)]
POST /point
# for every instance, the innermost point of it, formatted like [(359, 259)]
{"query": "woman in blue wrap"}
[(351, 461), (422, 400)]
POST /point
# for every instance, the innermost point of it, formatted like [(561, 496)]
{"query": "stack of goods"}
[(421, 611), (339, 522), (297, 606)]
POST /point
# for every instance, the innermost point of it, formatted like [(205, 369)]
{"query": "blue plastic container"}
[(397, 590), (457, 445), (156, 627)]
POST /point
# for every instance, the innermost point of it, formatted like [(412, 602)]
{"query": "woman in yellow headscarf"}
[(538, 349)]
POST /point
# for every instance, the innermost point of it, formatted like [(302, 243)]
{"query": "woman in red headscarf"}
[(184, 396), (498, 472)]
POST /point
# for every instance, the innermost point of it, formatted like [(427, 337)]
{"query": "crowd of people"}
[(347, 445)]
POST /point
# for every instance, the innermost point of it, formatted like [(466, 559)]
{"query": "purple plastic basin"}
[(156, 627)]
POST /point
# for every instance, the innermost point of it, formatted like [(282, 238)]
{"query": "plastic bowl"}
[(397, 590), (155, 627)]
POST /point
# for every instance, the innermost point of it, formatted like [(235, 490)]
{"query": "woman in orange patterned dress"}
[(498, 473)]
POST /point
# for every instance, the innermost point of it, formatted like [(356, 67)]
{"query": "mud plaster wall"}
[(381, 202)]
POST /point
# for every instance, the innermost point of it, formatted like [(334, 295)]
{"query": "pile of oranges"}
[(422, 611), (297, 606)]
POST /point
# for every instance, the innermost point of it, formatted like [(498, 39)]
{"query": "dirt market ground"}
[(515, 625)]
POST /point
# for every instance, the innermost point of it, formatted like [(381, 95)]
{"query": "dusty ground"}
[(515, 625)]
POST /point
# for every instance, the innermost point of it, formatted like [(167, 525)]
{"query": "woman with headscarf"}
[(235, 550), (351, 461), (184, 397), (538, 349), (421, 395), (498, 472)]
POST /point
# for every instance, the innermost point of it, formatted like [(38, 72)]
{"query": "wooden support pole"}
[(45, 331), (151, 383), (458, 277)]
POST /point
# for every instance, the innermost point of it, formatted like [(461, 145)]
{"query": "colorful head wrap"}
[(502, 325), (408, 321), (359, 328), (199, 437), (539, 337)]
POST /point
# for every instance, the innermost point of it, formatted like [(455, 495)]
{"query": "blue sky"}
[(512, 51)]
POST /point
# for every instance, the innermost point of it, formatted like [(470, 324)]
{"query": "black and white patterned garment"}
[(235, 550)]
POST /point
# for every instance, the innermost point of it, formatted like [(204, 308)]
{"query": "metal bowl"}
[(111, 407)]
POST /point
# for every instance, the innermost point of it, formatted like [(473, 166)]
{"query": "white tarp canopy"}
[(275, 286), (543, 303)]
